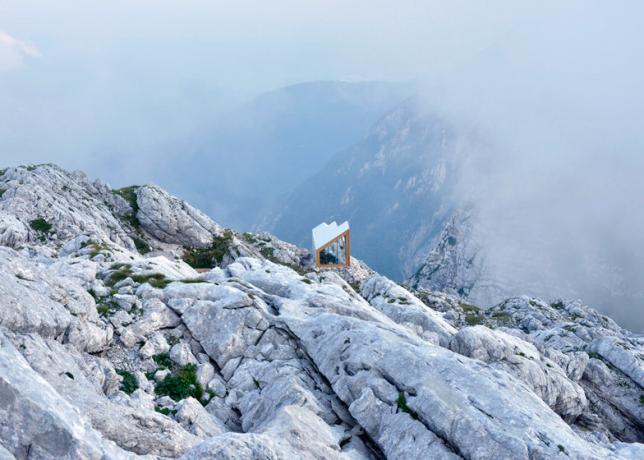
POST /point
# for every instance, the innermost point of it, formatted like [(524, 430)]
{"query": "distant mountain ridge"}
[(256, 153), (395, 187)]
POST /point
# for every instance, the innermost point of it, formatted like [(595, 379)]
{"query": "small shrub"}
[(181, 384), (129, 195), (306, 281), (562, 449), (97, 248), (156, 280), (163, 361), (105, 309), (141, 245), (595, 355), (473, 319), (128, 384), (268, 252), (207, 257), (468, 308), (118, 275), (173, 340), (402, 405), (642, 399), (558, 305), (164, 410), (520, 353), (249, 238), (2, 190), (40, 225), (391, 300)]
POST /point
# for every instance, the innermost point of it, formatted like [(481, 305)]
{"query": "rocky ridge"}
[(113, 346)]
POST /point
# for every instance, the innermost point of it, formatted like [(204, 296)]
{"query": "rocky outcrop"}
[(171, 220), (107, 353)]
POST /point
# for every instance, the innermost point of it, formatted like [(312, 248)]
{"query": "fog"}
[(122, 89), (558, 180)]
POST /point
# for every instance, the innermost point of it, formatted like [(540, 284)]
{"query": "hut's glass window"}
[(335, 253)]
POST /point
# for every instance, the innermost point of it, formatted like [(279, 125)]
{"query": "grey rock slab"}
[(172, 220), (194, 418), (36, 421), (135, 429)]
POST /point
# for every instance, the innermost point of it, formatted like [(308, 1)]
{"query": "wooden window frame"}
[(348, 250)]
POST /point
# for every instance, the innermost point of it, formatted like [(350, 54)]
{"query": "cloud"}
[(558, 182), (13, 52)]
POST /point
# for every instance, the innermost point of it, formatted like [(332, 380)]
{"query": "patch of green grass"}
[(164, 410), (129, 195), (468, 308), (97, 248), (473, 319), (558, 305), (249, 238), (156, 280), (208, 257), (41, 225), (592, 354), (119, 274), (192, 281), (128, 384), (163, 361), (141, 245), (181, 384), (502, 317), (106, 309), (402, 405)]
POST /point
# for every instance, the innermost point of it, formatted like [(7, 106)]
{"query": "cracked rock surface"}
[(110, 353)]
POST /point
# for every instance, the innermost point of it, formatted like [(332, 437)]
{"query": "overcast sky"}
[(555, 87)]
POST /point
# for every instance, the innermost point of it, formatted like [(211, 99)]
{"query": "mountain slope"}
[(395, 187), (109, 353)]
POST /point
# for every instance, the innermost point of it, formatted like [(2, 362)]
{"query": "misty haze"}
[(488, 159)]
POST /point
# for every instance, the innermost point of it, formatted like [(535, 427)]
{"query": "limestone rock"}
[(173, 221)]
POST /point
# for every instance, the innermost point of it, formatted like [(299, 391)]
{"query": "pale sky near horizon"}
[(256, 45), (555, 87)]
